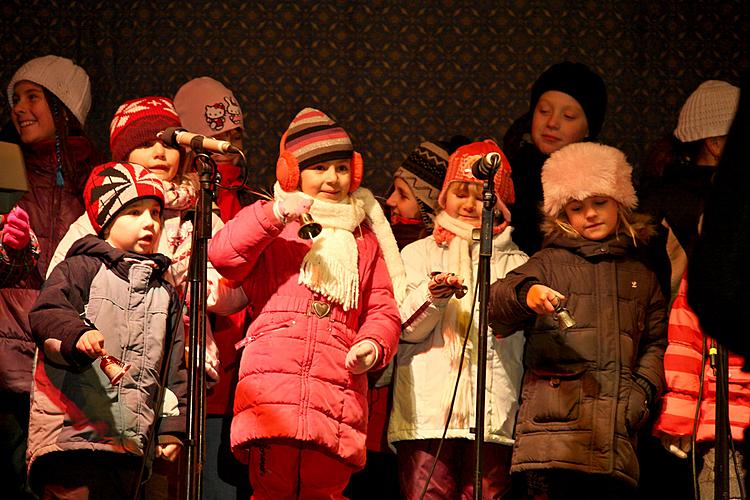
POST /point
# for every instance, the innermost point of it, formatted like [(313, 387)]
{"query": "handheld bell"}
[(308, 228), (564, 319), (113, 368)]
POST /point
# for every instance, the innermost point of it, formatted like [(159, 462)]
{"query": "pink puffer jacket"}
[(292, 380)]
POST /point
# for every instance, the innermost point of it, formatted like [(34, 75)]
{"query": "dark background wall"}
[(392, 72)]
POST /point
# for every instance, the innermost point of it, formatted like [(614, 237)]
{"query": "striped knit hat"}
[(112, 186), (137, 122), (423, 171), (313, 138)]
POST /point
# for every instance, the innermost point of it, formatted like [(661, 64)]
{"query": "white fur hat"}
[(61, 76), (585, 169), (708, 112)]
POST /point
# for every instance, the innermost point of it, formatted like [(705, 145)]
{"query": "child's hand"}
[(91, 343), (16, 231), (291, 207), (361, 357), (443, 285), (676, 445), (542, 299), (168, 451)]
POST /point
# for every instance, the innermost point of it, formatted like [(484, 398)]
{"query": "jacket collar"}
[(118, 261)]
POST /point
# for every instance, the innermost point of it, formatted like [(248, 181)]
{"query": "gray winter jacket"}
[(73, 404)]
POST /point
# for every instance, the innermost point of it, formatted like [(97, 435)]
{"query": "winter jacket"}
[(124, 296), (682, 364), (51, 210), (293, 383), (423, 372), (222, 296), (586, 390)]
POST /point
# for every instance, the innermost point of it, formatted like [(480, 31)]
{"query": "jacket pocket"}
[(554, 396), (262, 332)]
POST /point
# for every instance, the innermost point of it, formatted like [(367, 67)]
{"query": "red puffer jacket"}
[(51, 210), (292, 382)]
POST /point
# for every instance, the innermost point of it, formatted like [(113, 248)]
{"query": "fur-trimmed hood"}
[(642, 224)]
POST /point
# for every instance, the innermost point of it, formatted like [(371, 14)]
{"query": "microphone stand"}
[(196, 408), (723, 432), (483, 276)]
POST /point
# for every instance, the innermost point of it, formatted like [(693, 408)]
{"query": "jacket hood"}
[(554, 236), (115, 259)]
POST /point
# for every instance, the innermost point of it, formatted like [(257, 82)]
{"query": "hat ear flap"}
[(357, 171), (287, 168), (287, 172)]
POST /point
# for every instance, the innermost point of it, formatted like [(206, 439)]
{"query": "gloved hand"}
[(443, 285), (676, 445), (361, 357), (16, 231), (291, 207)]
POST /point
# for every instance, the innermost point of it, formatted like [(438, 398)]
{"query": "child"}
[(49, 99), (133, 139), (587, 389), (207, 107), (435, 324), (323, 314), (87, 435)]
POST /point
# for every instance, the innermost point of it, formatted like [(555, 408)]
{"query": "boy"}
[(88, 436)]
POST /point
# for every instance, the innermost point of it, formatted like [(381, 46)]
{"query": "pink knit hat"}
[(112, 186), (137, 122), (585, 169), (207, 107), (459, 170)]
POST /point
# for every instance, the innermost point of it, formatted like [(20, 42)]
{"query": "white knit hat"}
[(708, 112), (207, 107), (62, 77), (583, 169)]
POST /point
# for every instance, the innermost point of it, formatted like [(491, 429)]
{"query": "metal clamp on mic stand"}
[(485, 169)]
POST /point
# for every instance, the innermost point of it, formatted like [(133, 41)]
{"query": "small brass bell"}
[(308, 228), (113, 368), (564, 319)]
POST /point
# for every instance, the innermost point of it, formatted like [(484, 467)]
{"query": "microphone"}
[(486, 165), (175, 137)]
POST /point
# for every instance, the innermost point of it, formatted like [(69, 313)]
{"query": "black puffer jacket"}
[(586, 390)]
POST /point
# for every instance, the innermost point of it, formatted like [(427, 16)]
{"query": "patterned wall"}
[(392, 72)]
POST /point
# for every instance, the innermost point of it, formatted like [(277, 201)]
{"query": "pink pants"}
[(454, 472), (292, 469)]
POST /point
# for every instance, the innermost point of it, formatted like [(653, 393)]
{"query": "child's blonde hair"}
[(626, 221)]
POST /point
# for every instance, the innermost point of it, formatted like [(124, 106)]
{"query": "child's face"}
[(234, 137), (558, 120), (136, 229), (402, 201), (329, 180), (31, 114), (463, 201), (595, 217), (158, 158)]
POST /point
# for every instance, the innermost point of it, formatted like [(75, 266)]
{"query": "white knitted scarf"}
[(330, 266), (457, 318)]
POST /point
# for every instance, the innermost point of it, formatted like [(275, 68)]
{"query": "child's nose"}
[(391, 201), (553, 121)]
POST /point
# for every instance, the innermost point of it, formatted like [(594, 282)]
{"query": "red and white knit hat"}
[(112, 186), (583, 169), (312, 138), (137, 122), (459, 170), (207, 107)]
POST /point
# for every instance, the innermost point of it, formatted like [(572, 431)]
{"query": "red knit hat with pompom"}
[(137, 122)]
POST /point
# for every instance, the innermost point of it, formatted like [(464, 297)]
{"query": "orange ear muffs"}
[(357, 171), (287, 168)]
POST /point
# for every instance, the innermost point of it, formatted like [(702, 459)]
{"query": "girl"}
[(587, 389), (567, 105), (49, 98), (323, 314), (434, 329)]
